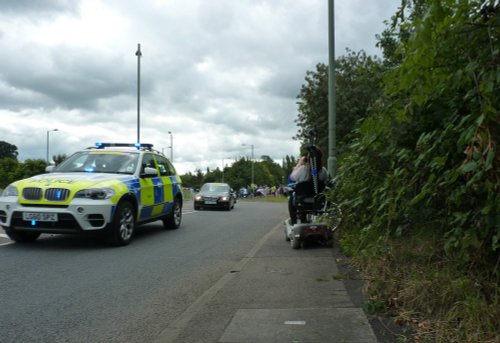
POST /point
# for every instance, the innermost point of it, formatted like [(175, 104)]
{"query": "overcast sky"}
[(221, 75)]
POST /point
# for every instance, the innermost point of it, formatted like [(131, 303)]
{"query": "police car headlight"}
[(95, 193), (10, 191), (224, 198), (198, 198)]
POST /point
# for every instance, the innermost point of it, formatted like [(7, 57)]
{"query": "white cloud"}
[(217, 74)]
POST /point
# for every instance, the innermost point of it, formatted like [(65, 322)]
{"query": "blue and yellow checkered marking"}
[(158, 199)]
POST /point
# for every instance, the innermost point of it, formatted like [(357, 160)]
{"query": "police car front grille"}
[(56, 194), (32, 193), (45, 205)]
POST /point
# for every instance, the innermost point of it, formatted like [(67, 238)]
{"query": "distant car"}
[(110, 189), (215, 195), (243, 192)]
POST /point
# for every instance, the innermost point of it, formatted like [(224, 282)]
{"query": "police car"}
[(107, 189)]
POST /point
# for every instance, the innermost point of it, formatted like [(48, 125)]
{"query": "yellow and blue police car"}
[(109, 189)]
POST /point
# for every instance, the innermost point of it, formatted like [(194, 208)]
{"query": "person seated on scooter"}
[(302, 173)]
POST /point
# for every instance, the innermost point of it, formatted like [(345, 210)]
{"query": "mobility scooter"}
[(317, 218)]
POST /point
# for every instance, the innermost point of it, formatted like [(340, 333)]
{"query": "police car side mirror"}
[(49, 169), (148, 171)]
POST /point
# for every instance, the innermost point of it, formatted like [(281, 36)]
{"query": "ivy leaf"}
[(469, 167), (489, 160)]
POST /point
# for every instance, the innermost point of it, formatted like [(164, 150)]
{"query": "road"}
[(77, 289)]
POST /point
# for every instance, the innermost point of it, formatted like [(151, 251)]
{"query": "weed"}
[(416, 281)]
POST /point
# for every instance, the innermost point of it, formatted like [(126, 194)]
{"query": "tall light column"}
[(138, 53), (171, 146), (251, 145), (332, 158), (48, 131)]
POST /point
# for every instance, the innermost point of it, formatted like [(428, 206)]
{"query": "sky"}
[(222, 76)]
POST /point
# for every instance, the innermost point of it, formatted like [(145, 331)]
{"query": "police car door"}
[(152, 190), (168, 176)]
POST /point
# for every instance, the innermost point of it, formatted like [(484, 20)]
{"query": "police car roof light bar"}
[(100, 145)]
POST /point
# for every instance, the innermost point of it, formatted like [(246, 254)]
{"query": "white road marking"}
[(295, 322)]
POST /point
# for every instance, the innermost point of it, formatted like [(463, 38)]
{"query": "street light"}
[(138, 53), (171, 146), (48, 131), (332, 148), (251, 145)]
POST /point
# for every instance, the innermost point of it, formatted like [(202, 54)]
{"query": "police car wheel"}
[(22, 236), (173, 220), (123, 226)]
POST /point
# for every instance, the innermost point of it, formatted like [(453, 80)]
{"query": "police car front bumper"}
[(80, 216)]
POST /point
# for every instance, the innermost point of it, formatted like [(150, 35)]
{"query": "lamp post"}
[(332, 149), (138, 53), (171, 146), (251, 145), (49, 131)]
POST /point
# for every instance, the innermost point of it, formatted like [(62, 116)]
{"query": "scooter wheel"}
[(294, 242)]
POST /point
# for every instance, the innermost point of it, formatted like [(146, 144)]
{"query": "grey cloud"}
[(72, 78), (285, 83), (217, 73), (30, 7)]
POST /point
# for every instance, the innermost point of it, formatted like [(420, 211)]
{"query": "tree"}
[(426, 161), (288, 163), (358, 85), (8, 167), (29, 168), (274, 173), (59, 158), (8, 150)]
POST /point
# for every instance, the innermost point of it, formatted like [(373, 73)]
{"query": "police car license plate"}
[(41, 217), (210, 202)]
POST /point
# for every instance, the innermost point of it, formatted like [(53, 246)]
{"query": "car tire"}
[(174, 219), (22, 236), (196, 207), (123, 225)]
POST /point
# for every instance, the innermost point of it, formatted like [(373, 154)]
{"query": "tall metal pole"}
[(48, 131), (332, 158), (252, 168), (171, 147), (138, 53), (251, 145)]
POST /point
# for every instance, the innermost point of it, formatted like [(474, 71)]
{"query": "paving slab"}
[(275, 294), (339, 325)]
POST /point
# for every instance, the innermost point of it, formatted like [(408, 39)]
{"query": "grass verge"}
[(413, 280)]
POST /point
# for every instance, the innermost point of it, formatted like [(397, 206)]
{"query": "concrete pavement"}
[(275, 294)]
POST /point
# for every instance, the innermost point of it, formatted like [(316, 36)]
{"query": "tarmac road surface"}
[(222, 277)]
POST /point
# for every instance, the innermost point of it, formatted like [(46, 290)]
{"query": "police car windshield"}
[(113, 162)]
